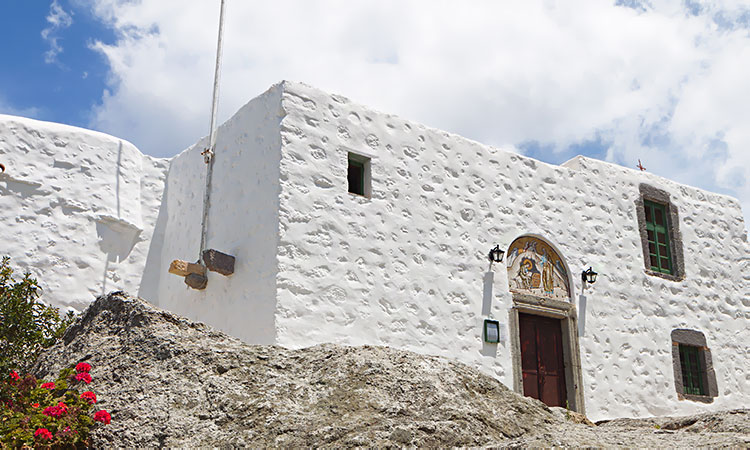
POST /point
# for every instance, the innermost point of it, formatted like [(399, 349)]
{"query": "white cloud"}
[(58, 20), (658, 80)]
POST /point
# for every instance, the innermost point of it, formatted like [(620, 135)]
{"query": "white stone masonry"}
[(77, 208), (405, 266)]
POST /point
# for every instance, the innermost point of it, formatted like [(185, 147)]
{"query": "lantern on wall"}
[(589, 276), (496, 255)]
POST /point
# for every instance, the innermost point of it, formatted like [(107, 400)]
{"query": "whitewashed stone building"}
[(358, 227), (77, 208)]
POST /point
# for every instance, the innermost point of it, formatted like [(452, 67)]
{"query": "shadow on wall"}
[(24, 189), (149, 285), (116, 237), (489, 278), (581, 314), (117, 177)]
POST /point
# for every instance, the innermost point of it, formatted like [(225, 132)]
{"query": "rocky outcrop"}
[(168, 381)]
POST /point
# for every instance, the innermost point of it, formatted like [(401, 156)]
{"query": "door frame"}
[(566, 313)]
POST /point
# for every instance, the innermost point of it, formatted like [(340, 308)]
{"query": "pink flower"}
[(102, 416), (49, 386), (43, 433), (14, 375), (84, 376), (83, 367), (56, 411), (89, 397)]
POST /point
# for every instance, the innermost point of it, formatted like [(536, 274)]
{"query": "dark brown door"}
[(542, 359)]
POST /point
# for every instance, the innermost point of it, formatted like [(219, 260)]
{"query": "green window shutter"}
[(692, 370), (657, 232)]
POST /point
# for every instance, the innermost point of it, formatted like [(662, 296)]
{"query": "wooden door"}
[(542, 359)]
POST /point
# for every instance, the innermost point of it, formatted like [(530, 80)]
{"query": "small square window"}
[(491, 331), (358, 175)]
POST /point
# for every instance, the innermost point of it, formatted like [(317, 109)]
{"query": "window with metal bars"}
[(693, 372), (657, 231)]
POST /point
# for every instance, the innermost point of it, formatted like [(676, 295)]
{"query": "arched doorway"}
[(546, 357)]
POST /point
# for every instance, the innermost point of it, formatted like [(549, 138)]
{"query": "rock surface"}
[(168, 381)]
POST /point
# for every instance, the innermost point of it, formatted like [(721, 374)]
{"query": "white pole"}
[(208, 154)]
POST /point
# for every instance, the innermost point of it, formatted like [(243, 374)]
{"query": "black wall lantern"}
[(589, 276), (496, 255)]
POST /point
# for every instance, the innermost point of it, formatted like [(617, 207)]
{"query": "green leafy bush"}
[(41, 414), (26, 325)]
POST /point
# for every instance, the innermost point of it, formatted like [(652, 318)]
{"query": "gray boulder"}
[(169, 381)]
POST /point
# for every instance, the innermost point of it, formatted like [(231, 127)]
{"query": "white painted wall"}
[(630, 315), (407, 267), (77, 208), (243, 222)]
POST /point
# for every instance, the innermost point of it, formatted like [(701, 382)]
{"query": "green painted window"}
[(658, 237), (692, 371)]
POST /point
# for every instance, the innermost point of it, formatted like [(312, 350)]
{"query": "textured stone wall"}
[(408, 267), (631, 315), (243, 222), (77, 208)]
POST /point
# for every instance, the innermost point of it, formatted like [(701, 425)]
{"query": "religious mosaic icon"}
[(535, 268)]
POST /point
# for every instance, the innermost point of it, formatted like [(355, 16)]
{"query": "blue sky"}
[(663, 81), (61, 91)]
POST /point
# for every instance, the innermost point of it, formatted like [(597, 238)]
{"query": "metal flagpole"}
[(208, 153), (208, 259)]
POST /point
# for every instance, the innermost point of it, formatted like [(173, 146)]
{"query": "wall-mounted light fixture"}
[(496, 255), (589, 276), (491, 331)]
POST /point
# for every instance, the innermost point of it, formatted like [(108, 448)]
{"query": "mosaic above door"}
[(535, 268)]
